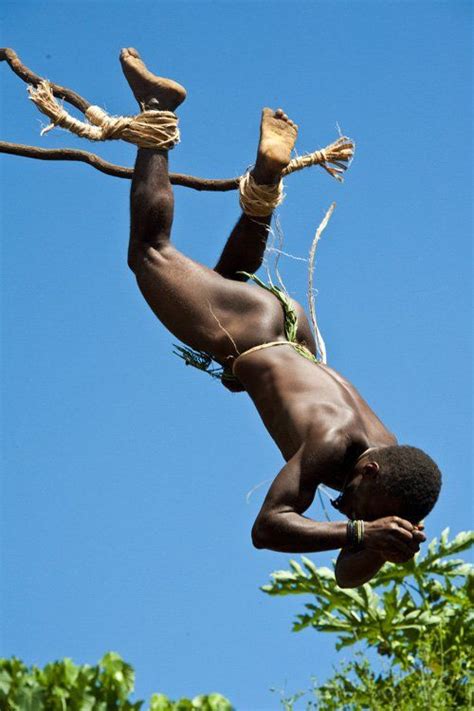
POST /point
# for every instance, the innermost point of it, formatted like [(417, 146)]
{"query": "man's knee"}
[(156, 253), (138, 254)]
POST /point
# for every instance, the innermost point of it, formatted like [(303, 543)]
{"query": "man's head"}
[(392, 481)]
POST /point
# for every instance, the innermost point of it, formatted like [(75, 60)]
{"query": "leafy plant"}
[(418, 616), (65, 686)]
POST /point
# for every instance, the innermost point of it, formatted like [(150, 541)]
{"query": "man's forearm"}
[(292, 533), (354, 568)]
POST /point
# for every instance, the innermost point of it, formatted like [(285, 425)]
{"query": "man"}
[(324, 429)]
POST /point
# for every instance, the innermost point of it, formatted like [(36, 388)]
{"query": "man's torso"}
[(304, 404)]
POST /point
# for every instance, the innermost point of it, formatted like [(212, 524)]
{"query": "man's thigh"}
[(203, 309)]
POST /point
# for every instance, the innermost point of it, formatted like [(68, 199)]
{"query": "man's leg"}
[(151, 205), (243, 251), (246, 245), (151, 197), (245, 248), (199, 306), (183, 294)]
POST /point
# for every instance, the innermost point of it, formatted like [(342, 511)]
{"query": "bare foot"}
[(149, 90), (277, 138)]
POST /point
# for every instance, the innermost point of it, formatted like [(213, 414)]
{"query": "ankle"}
[(265, 176), (151, 105)]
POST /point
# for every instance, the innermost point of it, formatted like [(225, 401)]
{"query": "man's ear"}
[(371, 469)]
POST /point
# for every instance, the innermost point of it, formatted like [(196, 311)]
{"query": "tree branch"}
[(119, 171), (61, 92), (338, 153), (189, 181)]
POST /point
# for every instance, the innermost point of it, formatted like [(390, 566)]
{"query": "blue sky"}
[(125, 524)]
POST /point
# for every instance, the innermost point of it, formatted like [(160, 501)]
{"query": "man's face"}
[(363, 497)]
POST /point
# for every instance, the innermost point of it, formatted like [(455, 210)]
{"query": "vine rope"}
[(149, 129)]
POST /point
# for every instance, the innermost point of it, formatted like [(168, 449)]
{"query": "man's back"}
[(304, 403)]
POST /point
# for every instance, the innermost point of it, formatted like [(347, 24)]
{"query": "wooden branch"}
[(342, 149), (189, 181), (118, 171), (61, 92)]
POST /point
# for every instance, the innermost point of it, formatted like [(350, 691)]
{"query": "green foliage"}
[(200, 360), (65, 686), (418, 616)]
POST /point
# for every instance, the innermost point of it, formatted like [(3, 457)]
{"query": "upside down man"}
[(324, 429)]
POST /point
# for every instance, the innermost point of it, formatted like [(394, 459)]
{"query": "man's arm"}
[(354, 568), (280, 525)]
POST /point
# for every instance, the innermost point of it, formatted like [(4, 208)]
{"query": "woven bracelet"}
[(355, 533), (359, 532), (351, 534)]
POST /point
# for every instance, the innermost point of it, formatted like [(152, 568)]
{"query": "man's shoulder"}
[(327, 450)]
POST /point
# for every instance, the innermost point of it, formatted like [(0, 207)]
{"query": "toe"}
[(129, 53), (279, 113), (133, 52)]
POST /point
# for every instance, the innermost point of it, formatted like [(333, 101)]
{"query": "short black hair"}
[(411, 476)]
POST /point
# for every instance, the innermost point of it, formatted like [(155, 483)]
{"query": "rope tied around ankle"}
[(259, 200), (149, 129), (159, 130)]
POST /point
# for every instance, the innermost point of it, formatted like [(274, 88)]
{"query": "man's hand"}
[(396, 539), (391, 538)]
